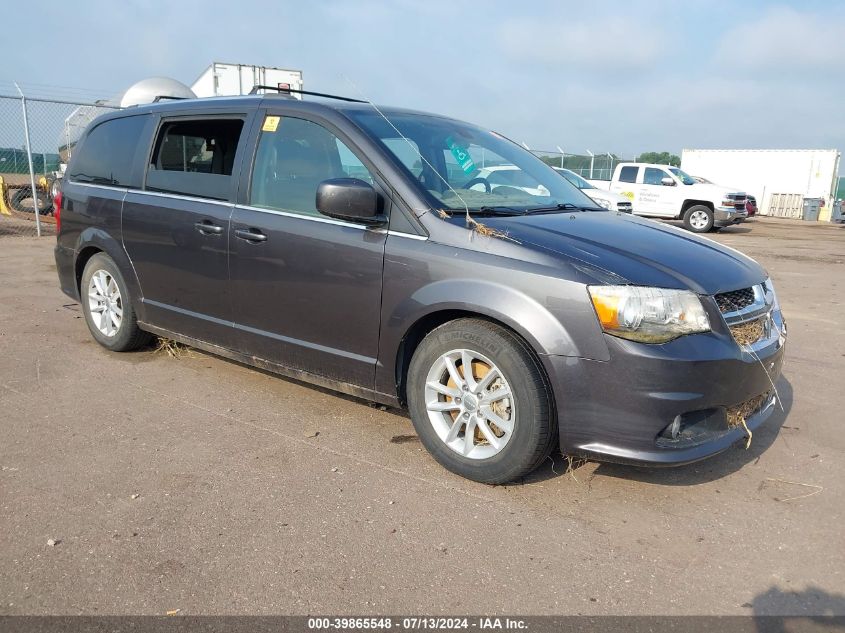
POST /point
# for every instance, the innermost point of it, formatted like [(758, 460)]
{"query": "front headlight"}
[(648, 315), (602, 203)]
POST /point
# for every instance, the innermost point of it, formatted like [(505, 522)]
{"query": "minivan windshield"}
[(683, 176), (465, 164)]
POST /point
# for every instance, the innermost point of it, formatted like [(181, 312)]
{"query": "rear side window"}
[(195, 157), (628, 174), (106, 155)]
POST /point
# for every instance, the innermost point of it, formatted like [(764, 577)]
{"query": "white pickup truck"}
[(658, 191)]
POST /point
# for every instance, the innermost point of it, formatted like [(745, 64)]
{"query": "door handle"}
[(250, 235), (208, 228)]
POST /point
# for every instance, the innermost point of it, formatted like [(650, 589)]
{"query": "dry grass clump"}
[(477, 227), (748, 333), (737, 415), (171, 348)]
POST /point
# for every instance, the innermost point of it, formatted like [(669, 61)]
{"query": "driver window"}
[(654, 176), (294, 156)]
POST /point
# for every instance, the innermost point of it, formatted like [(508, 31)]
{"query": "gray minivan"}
[(360, 249)]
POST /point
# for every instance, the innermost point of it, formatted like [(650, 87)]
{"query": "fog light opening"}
[(673, 430)]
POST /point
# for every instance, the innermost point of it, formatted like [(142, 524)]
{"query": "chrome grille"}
[(735, 300)]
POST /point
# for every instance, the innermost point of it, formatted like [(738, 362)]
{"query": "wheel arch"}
[(431, 321), (693, 203), (82, 259), (92, 241), (564, 326)]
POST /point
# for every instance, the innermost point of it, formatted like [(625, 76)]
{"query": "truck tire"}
[(698, 219), (498, 424), (22, 201)]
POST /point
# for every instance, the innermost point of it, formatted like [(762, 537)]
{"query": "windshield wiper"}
[(497, 210), (565, 206)]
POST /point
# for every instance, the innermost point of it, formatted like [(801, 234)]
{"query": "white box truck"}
[(238, 79), (780, 179)]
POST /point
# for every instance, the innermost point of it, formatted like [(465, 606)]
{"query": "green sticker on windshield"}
[(461, 155)]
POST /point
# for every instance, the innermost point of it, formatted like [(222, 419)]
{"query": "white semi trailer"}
[(780, 179), (238, 79)]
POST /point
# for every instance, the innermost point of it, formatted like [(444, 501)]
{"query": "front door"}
[(306, 289), (176, 231), (661, 200)]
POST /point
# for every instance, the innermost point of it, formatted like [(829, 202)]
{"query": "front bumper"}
[(725, 216), (616, 410)]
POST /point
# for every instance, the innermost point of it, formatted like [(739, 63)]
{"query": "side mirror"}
[(667, 182), (349, 199)]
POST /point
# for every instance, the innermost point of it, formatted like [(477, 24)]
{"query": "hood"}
[(642, 252), (604, 194), (710, 191)]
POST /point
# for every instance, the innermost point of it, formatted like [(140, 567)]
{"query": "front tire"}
[(108, 308), (494, 423), (698, 219)]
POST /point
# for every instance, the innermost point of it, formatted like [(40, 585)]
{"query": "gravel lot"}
[(198, 484)]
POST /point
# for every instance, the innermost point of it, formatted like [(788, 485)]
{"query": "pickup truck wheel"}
[(108, 308), (480, 402), (698, 219)]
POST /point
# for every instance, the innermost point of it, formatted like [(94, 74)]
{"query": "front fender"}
[(557, 322), (532, 320)]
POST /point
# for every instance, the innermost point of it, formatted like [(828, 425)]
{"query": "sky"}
[(621, 77)]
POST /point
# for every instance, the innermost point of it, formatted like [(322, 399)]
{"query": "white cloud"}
[(599, 43), (785, 39)]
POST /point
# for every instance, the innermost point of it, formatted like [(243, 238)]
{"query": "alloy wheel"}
[(470, 404), (105, 303)]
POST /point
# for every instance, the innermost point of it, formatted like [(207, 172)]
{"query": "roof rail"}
[(161, 97), (282, 90)]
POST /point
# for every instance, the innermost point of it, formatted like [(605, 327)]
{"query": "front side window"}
[(107, 154), (195, 157), (456, 165), (294, 156), (654, 176)]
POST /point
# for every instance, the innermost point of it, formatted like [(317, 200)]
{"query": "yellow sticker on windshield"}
[(270, 123)]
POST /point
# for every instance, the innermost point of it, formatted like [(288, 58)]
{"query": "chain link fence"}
[(37, 137), (595, 167)]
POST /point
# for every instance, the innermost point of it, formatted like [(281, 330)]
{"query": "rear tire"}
[(108, 308), (492, 431), (698, 219)]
